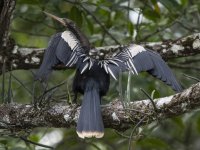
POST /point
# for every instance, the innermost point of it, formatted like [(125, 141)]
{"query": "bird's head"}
[(64, 21), (71, 26)]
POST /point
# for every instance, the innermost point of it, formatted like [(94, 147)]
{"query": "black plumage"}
[(92, 77), (94, 84)]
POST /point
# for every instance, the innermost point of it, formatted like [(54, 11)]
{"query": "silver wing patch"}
[(121, 60)]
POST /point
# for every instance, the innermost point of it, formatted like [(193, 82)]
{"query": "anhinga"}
[(92, 78)]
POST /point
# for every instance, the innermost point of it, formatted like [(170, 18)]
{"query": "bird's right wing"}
[(136, 59), (63, 48)]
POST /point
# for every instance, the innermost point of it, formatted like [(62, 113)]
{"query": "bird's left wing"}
[(63, 48), (136, 59)]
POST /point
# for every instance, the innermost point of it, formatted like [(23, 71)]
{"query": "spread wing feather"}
[(136, 59), (50, 59), (65, 48), (62, 48)]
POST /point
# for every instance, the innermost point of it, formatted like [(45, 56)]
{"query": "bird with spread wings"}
[(92, 77)]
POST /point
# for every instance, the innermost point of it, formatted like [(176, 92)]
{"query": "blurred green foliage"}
[(158, 20)]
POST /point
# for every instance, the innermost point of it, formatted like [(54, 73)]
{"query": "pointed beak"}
[(61, 20)]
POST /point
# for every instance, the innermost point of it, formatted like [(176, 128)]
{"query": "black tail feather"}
[(90, 123)]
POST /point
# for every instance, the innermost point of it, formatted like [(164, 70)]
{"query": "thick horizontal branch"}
[(19, 116), (30, 58)]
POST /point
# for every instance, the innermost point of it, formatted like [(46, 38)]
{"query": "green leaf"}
[(198, 124), (4, 142), (90, 25), (151, 14), (156, 7), (154, 143), (179, 122), (152, 94), (170, 4), (34, 138), (184, 2), (130, 28), (76, 15)]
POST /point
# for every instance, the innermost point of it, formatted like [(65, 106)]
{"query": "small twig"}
[(3, 81), (188, 61), (55, 87), (69, 95), (52, 90), (92, 144), (131, 109), (128, 95), (10, 88), (128, 137), (34, 143), (103, 38), (29, 33), (41, 97), (102, 26), (158, 30), (33, 93), (22, 84), (152, 102), (180, 66), (191, 77), (129, 2), (138, 26), (131, 136), (95, 19), (38, 21), (120, 90), (190, 29), (48, 97)]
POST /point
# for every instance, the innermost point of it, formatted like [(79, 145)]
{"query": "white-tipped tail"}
[(90, 123), (90, 134)]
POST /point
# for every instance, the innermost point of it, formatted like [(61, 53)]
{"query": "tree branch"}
[(183, 66), (6, 10), (20, 116), (30, 58)]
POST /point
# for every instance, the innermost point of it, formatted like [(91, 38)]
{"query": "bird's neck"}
[(81, 37)]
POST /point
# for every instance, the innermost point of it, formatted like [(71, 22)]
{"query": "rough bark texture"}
[(6, 9), (20, 116), (30, 58), (6, 44)]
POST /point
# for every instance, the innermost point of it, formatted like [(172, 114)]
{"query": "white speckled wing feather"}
[(63, 48), (136, 58)]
